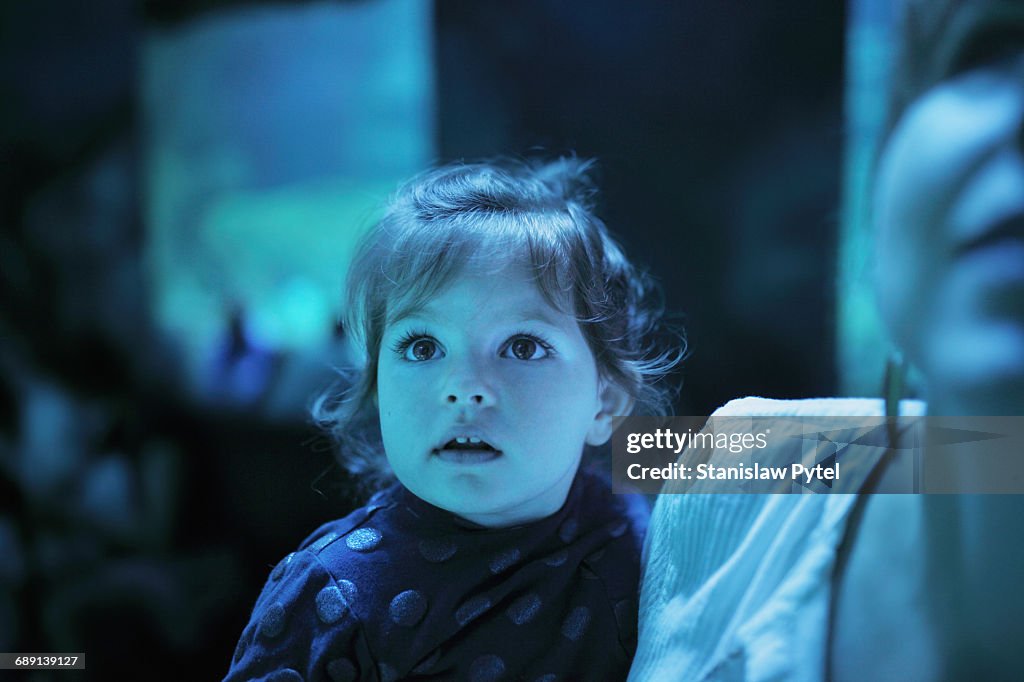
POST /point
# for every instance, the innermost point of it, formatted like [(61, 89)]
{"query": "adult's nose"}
[(1018, 82), (1020, 124)]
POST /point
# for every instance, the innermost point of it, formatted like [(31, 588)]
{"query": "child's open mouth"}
[(467, 450)]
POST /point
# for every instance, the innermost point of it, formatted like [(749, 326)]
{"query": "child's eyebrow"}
[(410, 312), (424, 313), (551, 318)]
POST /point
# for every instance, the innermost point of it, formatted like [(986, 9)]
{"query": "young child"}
[(502, 330)]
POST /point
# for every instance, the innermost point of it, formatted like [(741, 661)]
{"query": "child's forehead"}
[(513, 288)]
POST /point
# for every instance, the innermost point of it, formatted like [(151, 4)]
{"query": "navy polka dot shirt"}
[(400, 589)]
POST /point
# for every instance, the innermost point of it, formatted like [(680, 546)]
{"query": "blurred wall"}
[(718, 131)]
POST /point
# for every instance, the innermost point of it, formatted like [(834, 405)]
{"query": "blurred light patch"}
[(273, 135), (861, 343)]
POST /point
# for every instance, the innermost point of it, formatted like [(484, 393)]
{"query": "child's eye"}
[(418, 348), (421, 350), (526, 347)]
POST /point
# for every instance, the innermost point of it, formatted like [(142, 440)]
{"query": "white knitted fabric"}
[(737, 586)]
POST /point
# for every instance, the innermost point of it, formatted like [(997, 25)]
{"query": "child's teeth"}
[(474, 440), (461, 439)]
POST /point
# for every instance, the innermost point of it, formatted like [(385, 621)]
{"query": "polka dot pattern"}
[(473, 608), (321, 543), (282, 565), (524, 609), (487, 668), (342, 670), (348, 591), (363, 539), (503, 561), (407, 608), (500, 599), (575, 624), (437, 550), (272, 623), (330, 605)]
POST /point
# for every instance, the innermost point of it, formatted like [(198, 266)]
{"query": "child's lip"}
[(467, 456), (466, 439), (466, 445)]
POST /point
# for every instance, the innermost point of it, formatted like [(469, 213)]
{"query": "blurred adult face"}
[(949, 208)]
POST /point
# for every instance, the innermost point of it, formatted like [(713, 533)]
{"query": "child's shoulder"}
[(370, 535), (353, 530), (309, 611), (396, 576), (340, 570), (312, 614), (623, 510)]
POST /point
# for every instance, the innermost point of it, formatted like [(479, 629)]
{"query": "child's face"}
[(950, 211), (488, 358)]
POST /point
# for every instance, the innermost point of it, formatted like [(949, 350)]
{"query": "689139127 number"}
[(19, 661)]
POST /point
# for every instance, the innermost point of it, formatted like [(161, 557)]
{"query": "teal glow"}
[(861, 341), (273, 134)]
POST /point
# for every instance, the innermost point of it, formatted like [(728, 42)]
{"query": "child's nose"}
[(467, 386), (468, 399)]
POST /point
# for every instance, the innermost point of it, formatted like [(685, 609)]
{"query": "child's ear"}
[(615, 402)]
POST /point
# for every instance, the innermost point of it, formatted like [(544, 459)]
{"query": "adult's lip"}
[(1010, 228), (993, 261)]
